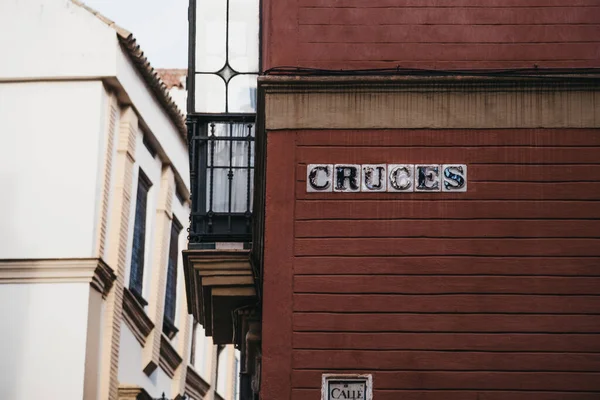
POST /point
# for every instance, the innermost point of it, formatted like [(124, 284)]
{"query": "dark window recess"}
[(138, 247), (171, 293), (180, 197), (149, 146), (222, 170), (193, 346)]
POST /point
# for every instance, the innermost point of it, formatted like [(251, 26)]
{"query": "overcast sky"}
[(160, 27)]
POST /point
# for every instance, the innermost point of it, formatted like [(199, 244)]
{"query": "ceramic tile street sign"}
[(347, 387), (394, 178)]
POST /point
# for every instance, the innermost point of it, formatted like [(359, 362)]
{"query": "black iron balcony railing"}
[(221, 149)]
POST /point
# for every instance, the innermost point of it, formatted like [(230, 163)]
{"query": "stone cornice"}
[(195, 260), (136, 318), (59, 270), (432, 102), (103, 278), (195, 385), (169, 358), (131, 392), (370, 83)]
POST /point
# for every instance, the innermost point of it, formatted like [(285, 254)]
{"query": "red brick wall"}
[(452, 34), (491, 294)]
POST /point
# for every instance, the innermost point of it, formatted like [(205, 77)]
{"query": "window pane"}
[(222, 371), (239, 197), (210, 35), (220, 190), (220, 149), (240, 148), (251, 189), (242, 94), (209, 94), (171, 290), (138, 246), (243, 35), (221, 130)]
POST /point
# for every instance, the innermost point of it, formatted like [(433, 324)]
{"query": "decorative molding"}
[(195, 261), (103, 278), (132, 392), (464, 82), (195, 385), (430, 102), (111, 121), (135, 317), (169, 359), (59, 270), (116, 246)]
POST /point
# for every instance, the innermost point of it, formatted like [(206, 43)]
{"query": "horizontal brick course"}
[(460, 34)]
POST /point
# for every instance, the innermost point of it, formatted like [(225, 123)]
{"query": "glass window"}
[(229, 168), (138, 247), (225, 44), (236, 379), (221, 385), (211, 35), (171, 290), (226, 56)]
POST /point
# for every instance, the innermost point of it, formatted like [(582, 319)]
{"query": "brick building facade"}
[(490, 293)]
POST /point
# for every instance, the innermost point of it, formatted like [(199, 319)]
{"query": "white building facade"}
[(94, 208)]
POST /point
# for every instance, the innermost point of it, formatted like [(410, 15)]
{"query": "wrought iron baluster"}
[(212, 139), (249, 142), (230, 176)]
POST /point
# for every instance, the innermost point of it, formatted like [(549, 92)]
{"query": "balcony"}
[(221, 150)]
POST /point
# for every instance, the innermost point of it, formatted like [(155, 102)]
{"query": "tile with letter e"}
[(428, 178)]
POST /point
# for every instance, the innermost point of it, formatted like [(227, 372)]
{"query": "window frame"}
[(170, 306), (138, 252)]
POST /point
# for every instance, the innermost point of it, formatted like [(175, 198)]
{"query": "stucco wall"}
[(131, 368), (64, 51), (43, 352), (50, 147)]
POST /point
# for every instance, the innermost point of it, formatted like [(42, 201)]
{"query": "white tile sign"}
[(350, 178), (347, 387)]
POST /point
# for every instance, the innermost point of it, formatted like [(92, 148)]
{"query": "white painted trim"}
[(61, 270)]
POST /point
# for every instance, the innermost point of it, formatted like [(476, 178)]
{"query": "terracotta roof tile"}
[(172, 77)]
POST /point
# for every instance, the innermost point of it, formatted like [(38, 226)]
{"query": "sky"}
[(160, 27)]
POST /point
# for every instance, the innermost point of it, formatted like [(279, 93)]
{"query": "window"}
[(221, 383), (138, 247), (236, 379), (171, 293), (222, 102), (223, 164), (193, 346), (225, 59)]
